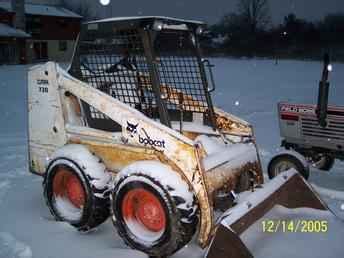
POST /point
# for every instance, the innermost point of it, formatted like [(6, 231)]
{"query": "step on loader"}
[(129, 131)]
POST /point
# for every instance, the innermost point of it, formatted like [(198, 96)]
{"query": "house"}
[(12, 40), (33, 32)]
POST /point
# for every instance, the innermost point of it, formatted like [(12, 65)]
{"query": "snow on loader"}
[(315, 132), (130, 130)]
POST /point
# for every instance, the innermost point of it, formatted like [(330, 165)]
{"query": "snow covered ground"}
[(284, 243), (247, 88)]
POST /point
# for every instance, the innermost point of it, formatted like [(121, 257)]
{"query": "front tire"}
[(154, 210)]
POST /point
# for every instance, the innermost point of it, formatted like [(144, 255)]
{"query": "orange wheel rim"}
[(69, 186), (144, 207)]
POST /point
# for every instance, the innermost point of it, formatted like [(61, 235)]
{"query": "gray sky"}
[(211, 10)]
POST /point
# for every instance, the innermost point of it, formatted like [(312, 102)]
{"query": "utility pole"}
[(107, 4), (18, 7)]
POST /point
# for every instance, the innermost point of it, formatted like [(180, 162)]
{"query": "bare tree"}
[(255, 14), (82, 8)]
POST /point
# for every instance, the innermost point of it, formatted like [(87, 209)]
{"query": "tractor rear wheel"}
[(322, 162), (154, 210)]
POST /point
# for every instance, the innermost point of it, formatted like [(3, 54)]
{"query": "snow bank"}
[(4, 187), (10, 247), (332, 194)]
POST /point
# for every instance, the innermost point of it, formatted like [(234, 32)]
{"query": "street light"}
[(104, 2)]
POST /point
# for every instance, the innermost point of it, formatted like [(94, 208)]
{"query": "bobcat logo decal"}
[(146, 140), (143, 137), (132, 129)]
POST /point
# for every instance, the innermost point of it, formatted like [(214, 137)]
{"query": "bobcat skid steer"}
[(130, 131)]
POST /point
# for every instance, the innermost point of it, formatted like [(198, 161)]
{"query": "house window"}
[(33, 25), (63, 45), (41, 50), (7, 53)]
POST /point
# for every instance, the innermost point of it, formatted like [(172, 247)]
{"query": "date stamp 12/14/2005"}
[(295, 226)]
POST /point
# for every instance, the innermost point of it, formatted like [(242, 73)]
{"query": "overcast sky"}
[(211, 10)]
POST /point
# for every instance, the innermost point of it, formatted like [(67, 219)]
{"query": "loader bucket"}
[(288, 189)]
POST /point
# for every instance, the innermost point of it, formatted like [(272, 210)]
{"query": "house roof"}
[(41, 9), (10, 32)]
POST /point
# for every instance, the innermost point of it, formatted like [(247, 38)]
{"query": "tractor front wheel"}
[(284, 162)]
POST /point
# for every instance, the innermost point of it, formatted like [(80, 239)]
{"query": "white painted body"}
[(46, 122)]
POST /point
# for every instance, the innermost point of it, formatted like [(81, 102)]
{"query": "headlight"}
[(329, 68), (158, 26), (199, 30)]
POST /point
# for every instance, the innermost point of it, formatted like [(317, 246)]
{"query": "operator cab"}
[(152, 64)]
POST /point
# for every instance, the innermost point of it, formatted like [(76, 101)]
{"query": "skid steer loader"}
[(130, 131)]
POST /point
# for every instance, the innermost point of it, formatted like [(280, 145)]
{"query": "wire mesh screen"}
[(115, 63), (179, 70), (117, 66)]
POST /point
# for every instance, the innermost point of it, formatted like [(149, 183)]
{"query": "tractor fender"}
[(292, 157), (292, 153)]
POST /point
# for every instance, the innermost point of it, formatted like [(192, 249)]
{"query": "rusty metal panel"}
[(230, 124), (115, 157), (289, 189), (227, 244), (225, 179), (206, 209)]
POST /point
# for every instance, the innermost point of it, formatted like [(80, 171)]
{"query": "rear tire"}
[(154, 210), (323, 162), (72, 192), (283, 162)]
